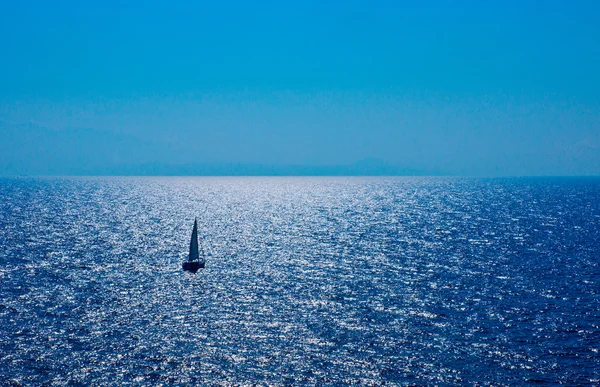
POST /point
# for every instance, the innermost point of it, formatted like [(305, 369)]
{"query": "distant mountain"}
[(30, 149)]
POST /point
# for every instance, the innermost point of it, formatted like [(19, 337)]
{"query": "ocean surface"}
[(309, 281)]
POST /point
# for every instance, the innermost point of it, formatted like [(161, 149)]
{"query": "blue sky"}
[(310, 87)]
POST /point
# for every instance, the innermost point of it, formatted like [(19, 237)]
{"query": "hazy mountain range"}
[(30, 149)]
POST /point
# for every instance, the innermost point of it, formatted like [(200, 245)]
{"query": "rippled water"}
[(318, 281)]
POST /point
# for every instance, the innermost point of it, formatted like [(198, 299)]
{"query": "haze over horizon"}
[(302, 88)]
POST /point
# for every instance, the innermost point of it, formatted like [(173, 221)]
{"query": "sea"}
[(317, 281)]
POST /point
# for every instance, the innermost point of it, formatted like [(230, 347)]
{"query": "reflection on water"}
[(318, 281)]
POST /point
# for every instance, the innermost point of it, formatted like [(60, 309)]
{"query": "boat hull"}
[(192, 266)]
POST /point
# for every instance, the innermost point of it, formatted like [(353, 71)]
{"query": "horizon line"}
[(306, 175)]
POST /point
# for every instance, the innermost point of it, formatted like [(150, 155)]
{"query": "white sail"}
[(194, 256)]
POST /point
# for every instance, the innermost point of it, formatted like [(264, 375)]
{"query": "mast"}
[(194, 256)]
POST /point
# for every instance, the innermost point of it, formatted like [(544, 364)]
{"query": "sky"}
[(469, 88)]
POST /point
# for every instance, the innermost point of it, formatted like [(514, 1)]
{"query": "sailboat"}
[(194, 262)]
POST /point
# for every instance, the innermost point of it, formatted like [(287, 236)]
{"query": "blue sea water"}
[(310, 281)]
